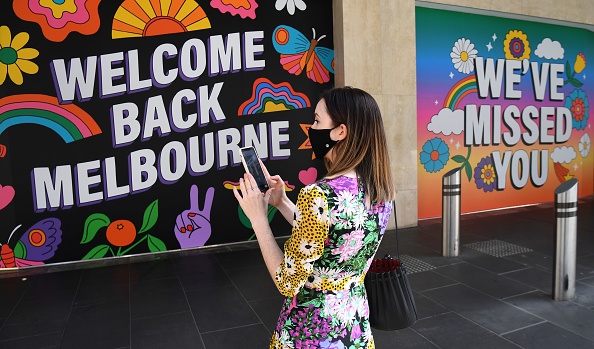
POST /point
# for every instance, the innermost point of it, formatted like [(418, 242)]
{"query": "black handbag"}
[(391, 302)]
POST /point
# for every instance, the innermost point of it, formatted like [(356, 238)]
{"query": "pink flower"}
[(58, 19), (352, 244)]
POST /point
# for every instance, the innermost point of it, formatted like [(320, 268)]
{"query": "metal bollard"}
[(451, 189), (566, 196)]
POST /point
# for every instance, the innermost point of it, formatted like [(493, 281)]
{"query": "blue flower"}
[(577, 103), (435, 155)]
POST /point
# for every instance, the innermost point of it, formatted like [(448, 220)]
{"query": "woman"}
[(338, 223)]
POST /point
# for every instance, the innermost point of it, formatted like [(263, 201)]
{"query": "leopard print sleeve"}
[(306, 244)]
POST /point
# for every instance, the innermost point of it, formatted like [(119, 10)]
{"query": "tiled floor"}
[(227, 299)]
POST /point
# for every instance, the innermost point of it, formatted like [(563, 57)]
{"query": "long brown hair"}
[(364, 148)]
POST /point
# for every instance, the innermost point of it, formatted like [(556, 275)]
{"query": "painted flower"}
[(516, 45), (463, 55), (243, 8), (435, 155), (59, 18), (484, 175), (584, 146), (15, 57), (307, 246), (577, 103), (580, 63), (291, 4)]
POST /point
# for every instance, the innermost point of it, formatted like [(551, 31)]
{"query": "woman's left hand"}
[(253, 203)]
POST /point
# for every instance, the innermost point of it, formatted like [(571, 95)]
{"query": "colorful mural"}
[(121, 121), (505, 100)]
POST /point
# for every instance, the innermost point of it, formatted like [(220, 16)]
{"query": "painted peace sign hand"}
[(192, 226)]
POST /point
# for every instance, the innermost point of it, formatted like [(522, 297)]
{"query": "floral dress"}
[(332, 245)]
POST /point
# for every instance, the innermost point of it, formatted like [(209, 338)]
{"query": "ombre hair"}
[(364, 148)]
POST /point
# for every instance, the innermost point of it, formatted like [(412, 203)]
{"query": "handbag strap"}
[(396, 224)]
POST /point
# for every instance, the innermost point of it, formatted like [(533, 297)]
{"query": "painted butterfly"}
[(299, 53), (38, 243)]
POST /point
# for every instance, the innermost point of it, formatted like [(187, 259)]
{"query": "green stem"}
[(252, 237), (112, 253), (119, 251), (131, 247), (468, 155)]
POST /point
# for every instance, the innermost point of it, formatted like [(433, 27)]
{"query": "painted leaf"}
[(150, 216), (20, 251), (271, 212), (468, 171), (575, 82), (93, 223), (459, 159), (155, 244), (97, 252), (567, 68), (243, 218)]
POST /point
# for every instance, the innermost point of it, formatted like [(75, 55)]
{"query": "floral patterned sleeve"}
[(306, 244)]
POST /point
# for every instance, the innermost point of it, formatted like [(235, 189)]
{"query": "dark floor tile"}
[(494, 264), (28, 329), (102, 293), (44, 341), (428, 308), (157, 297), (200, 271), (492, 284), (534, 259), (240, 259), (220, 308), (548, 336), (247, 337), (453, 331), (427, 255), (405, 338), (98, 277), (99, 326), (11, 292), (167, 331), (491, 313), (567, 315), (588, 281), (254, 283), (51, 285), (152, 270), (427, 280), (53, 308), (268, 310), (584, 295), (533, 277)]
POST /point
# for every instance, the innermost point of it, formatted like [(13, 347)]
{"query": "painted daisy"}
[(291, 5), (319, 208), (462, 55), (15, 57), (584, 145)]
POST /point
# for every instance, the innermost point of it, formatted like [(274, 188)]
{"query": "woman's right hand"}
[(278, 194)]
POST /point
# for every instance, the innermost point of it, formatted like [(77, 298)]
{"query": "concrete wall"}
[(372, 36)]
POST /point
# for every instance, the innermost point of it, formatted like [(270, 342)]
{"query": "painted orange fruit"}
[(121, 233)]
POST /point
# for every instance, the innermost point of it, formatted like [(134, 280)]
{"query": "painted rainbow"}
[(68, 121), (266, 94), (460, 90)]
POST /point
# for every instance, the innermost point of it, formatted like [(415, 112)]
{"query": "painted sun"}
[(137, 18)]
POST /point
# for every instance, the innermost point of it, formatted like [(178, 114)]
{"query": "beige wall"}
[(372, 37)]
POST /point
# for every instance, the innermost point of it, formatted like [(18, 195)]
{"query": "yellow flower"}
[(14, 57), (516, 45), (580, 63)]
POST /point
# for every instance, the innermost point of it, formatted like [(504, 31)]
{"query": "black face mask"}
[(320, 141)]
